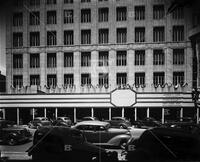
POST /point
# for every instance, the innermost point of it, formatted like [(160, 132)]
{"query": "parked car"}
[(11, 134), (98, 131), (119, 122), (66, 144), (147, 123), (160, 144), (38, 122), (86, 118), (62, 121)]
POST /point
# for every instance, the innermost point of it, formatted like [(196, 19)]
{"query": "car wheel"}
[(11, 142)]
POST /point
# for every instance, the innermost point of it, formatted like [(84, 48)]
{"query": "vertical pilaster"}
[(45, 112), (60, 65), (131, 70), (148, 113), (163, 115), (94, 64), (9, 71), (149, 69), (135, 113), (74, 115), (110, 113), (77, 73), (18, 116), (43, 69), (26, 80), (123, 112), (112, 69), (168, 65)]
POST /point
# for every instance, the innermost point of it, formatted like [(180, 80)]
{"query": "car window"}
[(100, 128), (86, 127)]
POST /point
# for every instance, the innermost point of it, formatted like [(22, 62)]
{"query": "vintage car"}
[(119, 122), (38, 122), (147, 123), (11, 134), (98, 131), (158, 144), (62, 121), (66, 144), (86, 118)]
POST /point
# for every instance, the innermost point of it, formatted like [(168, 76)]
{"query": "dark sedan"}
[(38, 122), (119, 122)]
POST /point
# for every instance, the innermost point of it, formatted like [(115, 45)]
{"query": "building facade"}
[(65, 57)]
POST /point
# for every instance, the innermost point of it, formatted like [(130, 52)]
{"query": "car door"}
[(102, 134), (89, 132)]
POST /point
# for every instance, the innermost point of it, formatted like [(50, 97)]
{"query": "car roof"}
[(98, 123), (118, 117)]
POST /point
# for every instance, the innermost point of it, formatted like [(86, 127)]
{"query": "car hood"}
[(112, 130)]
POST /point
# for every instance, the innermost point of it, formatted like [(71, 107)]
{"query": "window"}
[(68, 16), (103, 14), (85, 15), (17, 61), (69, 37), (158, 12), (51, 17), (68, 79), (85, 59), (34, 60), (195, 19), (178, 13), (121, 13), (158, 34), (85, 36), (158, 57), (178, 33), (51, 38), (51, 60), (34, 18), (139, 12), (158, 78), (121, 35), (68, 1), (82, 1), (103, 36), (85, 79), (68, 59), (140, 57), (178, 56), (34, 38), (17, 39), (18, 19), (17, 81), (103, 79), (34, 2), (121, 79), (139, 34), (121, 58), (178, 78), (34, 80), (51, 80), (139, 79), (50, 2), (103, 58)]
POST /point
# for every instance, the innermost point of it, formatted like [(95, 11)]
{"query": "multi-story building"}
[(67, 57)]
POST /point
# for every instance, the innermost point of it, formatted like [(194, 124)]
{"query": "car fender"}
[(119, 140)]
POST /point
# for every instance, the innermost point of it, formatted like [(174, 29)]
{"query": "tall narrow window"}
[(158, 11), (17, 81), (51, 80), (68, 1), (85, 36), (34, 2), (85, 79), (139, 34), (178, 33), (139, 12), (121, 58), (68, 79), (50, 2), (158, 78), (85, 15), (103, 58), (158, 57), (158, 34), (69, 37), (51, 60), (178, 56), (178, 78), (139, 79), (34, 80), (103, 36), (140, 57), (121, 13), (34, 18), (51, 17), (17, 39), (103, 79), (18, 19), (178, 13), (51, 38), (34, 38), (17, 61), (121, 35), (121, 79), (34, 60), (85, 59), (68, 59), (103, 14), (68, 16)]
